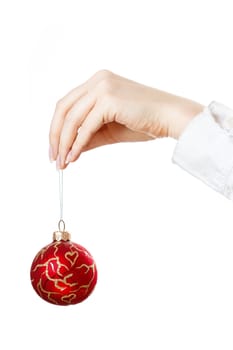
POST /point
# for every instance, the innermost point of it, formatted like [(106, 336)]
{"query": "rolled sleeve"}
[(205, 148)]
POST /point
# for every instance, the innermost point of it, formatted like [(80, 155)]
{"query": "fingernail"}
[(51, 157), (58, 163), (68, 158)]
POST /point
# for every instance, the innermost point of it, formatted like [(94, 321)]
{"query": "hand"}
[(108, 109)]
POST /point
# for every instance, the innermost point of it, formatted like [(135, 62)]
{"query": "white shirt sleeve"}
[(205, 148)]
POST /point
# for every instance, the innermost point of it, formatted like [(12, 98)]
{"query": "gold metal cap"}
[(61, 236)]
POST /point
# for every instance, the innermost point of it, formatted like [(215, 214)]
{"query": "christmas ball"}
[(63, 272)]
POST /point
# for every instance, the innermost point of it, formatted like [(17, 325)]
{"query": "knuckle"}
[(60, 104), (105, 86), (103, 74)]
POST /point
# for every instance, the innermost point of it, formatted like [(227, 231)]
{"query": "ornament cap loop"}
[(61, 236), (61, 225)]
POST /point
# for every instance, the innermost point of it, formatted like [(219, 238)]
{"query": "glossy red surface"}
[(63, 273)]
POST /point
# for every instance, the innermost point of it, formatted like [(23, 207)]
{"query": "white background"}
[(162, 240)]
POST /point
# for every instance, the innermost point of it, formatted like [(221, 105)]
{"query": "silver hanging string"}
[(61, 223)]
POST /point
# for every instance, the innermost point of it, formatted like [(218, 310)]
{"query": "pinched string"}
[(61, 223)]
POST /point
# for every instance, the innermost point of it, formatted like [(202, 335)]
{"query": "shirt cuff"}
[(205, 148)]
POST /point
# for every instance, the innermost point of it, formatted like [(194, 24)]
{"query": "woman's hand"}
[(108, 109)]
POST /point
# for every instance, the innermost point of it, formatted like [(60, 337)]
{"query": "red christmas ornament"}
[(63, 272)]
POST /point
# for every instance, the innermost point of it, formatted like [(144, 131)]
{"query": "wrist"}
[(172, 114), (183, 111)]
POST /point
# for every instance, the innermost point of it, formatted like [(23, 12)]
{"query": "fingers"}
[(89, 128), (62, 108), (72, 123)]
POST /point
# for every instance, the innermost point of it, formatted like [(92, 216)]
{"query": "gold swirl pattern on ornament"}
[(61, 283), (41, 289), (92, 267)]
